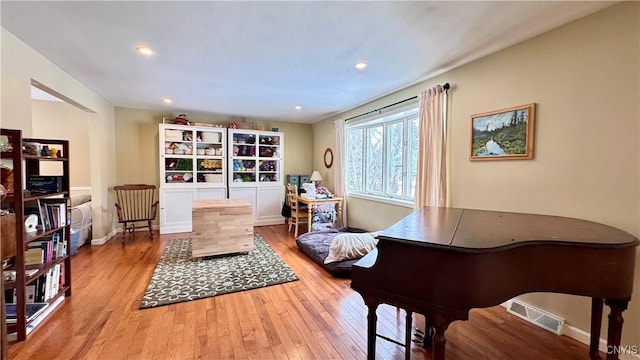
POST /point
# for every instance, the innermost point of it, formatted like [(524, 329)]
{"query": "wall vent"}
[(536, 316)]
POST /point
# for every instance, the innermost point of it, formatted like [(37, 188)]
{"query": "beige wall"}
[(137, 149), (585, 79), (59, 120), (21, 64)]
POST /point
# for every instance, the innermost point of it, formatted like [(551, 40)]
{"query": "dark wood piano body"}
[(442, 262)]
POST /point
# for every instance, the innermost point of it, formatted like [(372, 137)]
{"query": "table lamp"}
[(315, 177)]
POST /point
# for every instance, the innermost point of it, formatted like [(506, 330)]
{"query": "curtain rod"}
[(446, 88)]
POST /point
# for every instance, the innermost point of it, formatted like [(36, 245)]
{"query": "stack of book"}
[(54, 212), (33, 310), (45, 249), (42, 289)]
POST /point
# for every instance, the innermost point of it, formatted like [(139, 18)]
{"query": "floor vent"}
[(536, 316)]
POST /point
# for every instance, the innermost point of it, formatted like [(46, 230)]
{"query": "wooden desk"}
[(222, 226), (333, 200)]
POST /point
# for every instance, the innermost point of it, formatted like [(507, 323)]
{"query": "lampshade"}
[(315, 176)]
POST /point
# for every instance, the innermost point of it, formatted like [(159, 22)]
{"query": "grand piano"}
[(443, 262)]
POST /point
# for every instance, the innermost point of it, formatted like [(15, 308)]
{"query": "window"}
[(382, 156)]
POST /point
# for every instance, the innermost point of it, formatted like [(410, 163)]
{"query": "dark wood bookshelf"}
[(16, 202)]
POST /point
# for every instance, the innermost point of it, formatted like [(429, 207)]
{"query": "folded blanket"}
[(346, 246)]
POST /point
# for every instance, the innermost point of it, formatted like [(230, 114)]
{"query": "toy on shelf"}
[(182, 120)]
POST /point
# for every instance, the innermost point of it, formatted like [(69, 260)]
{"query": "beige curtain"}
[(338, 167), (431, 181)]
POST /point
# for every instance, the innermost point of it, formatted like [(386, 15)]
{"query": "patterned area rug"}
[(178, 277)]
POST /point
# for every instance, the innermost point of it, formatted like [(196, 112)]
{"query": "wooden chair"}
[(135, 203), (298, 215), (292, 189)]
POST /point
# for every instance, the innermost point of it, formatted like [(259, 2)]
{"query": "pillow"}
[(80, 199), (347, 246)]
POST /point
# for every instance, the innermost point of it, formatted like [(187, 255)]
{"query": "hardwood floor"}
[(317, 317)]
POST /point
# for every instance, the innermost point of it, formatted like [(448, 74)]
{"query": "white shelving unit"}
[(193, 165), (255, 172)]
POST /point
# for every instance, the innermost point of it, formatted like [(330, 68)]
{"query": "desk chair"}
[(298, 215)]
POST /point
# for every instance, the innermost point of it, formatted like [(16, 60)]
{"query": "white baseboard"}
[(585, 338), (103, 240), (114, 232)]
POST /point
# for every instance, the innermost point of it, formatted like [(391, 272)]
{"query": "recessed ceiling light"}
[(144, 50), (361, 65), (167, 100), (298, 107)]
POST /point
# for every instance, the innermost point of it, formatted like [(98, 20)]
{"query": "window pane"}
[(381, 158), (412, 149), (374, 159), (355, 151), (394, 149)]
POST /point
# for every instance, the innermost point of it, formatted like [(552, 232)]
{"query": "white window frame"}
[(385, 120)]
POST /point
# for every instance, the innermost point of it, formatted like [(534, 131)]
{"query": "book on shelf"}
[(46, 244), (30, 272), (52, 282), (61, 281), (54, 212), (34, 256), (10, 296), (47, 285), (33, 310), (62, 248), (59, 245), (30, 293), (53, 245), (40, 285), (42, 211)]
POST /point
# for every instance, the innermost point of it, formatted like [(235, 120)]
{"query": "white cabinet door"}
[(175, 210), (269, 206), (247, 193), (211, 193), (266, 203)]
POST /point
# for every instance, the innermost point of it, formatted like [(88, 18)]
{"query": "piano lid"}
[(483, 230)]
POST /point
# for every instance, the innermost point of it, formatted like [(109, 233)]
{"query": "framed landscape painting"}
[(503, 134)]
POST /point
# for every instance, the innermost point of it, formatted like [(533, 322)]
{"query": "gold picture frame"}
[(506, 134)]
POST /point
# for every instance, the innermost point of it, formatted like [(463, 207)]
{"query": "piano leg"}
[(440, 325), (407, 335), (372, 319), (596, 322), (615, 326), (427, 340)]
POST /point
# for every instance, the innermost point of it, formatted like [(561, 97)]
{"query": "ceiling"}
[(261, 59)]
